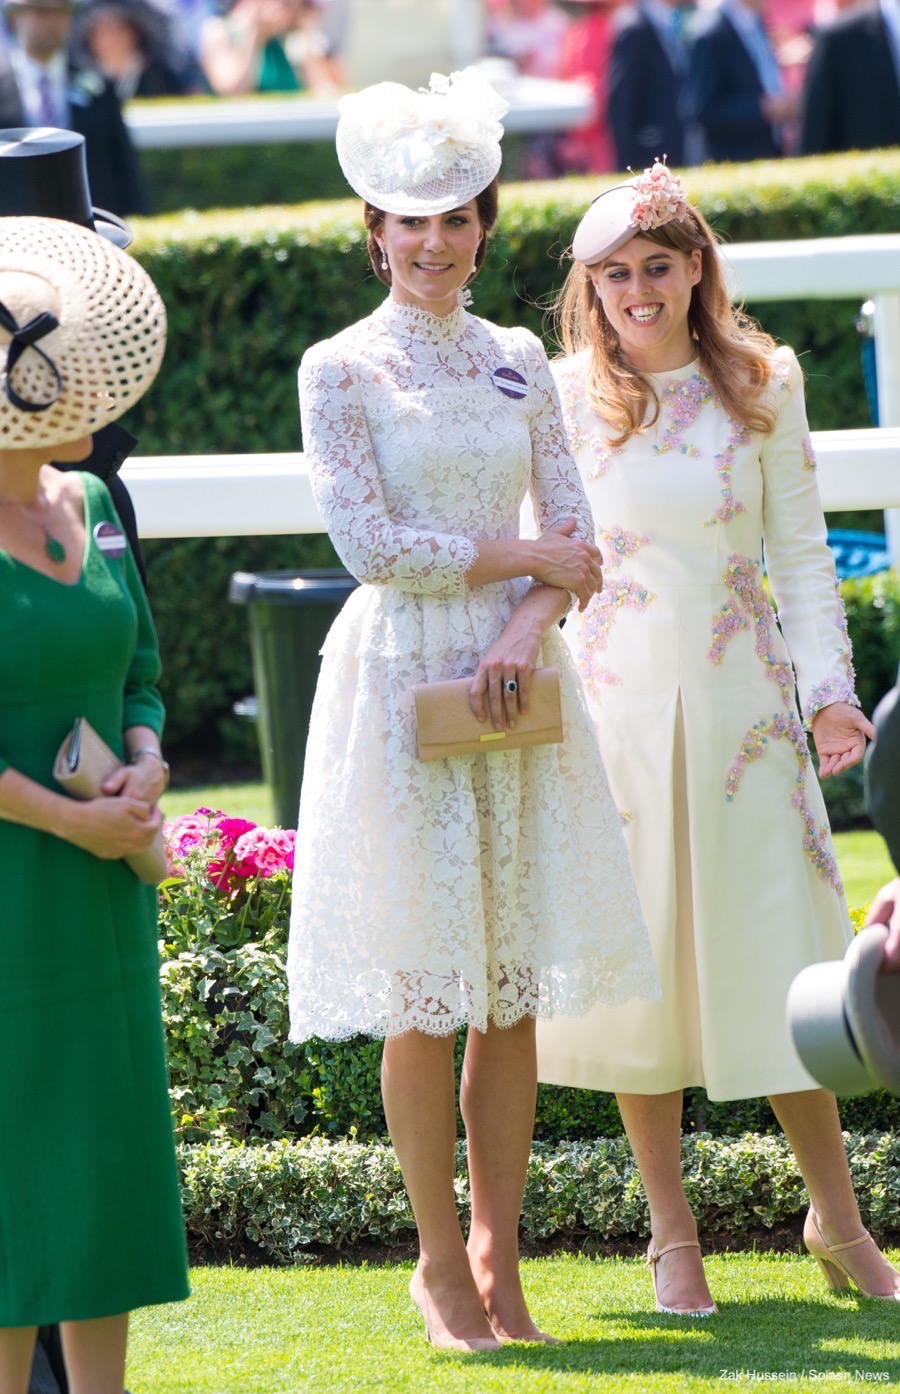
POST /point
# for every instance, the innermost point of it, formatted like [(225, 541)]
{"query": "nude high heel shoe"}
[(837, 1275), (444, 1341), (653, 1257)]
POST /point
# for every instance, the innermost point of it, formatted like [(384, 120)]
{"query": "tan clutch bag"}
[(82, 763), (446, 726)]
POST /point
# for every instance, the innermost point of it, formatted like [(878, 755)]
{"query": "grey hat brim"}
[(844, 1017)]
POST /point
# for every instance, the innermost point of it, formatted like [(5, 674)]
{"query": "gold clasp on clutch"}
[(494, 736)]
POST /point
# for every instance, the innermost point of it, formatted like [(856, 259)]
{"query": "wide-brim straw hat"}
[(82, 332), (844, 1017), (421, 152), (43, 174)]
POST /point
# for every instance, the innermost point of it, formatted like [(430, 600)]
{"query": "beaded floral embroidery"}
[(838, 689), (620, 545), (600, 453), (681, 402), (730, 507), (601, 615), (625, 817), (809, 455), (816, 838), (748, 606)]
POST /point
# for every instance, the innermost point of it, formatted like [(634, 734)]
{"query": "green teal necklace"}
[(53, 548)]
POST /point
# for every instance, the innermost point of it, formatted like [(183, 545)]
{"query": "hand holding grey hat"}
[(649, 200), (82, 332), (844, 1017), (43, 174), (421, 152)]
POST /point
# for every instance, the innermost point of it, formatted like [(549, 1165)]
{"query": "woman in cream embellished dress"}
[(467, 891), (690, 432)]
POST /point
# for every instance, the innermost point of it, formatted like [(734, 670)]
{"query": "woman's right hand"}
[(569, 563), (112, 827)]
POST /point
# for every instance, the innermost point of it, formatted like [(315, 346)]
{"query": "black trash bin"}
[(290, 614)]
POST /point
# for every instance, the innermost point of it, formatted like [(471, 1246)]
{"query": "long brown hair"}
[(734, 352), (486, 205)]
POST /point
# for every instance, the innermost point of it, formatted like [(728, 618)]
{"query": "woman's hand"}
[(568, 562), (145, 780), (513, 656), (840, 733), (111, 828), (885, 909)]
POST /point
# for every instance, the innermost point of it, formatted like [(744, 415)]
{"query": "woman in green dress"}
[(90, 1220)]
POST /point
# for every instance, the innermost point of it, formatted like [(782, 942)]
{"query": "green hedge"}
[(248, 291), (234, 1070), (276, 1201)]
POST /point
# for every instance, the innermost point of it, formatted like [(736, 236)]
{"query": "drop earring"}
[(384, 260)]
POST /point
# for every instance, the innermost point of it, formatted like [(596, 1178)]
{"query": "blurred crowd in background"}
[(712, 80)]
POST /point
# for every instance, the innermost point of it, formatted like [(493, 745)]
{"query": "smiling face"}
[(431, 257), (645, 290)]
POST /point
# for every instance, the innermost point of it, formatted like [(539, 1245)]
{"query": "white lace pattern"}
[(465, 890)]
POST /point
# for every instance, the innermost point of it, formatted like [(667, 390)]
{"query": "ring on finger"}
[(511, 685)]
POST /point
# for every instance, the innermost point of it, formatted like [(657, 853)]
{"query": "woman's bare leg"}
[(16, 1355), (653, 1125), (419, 1094), (95, 1354), (497, 1100), (812, 1127)]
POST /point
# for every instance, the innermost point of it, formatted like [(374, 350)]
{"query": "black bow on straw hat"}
[(25, 336)]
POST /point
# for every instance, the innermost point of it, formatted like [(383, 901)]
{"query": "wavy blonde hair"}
[(735, 354)]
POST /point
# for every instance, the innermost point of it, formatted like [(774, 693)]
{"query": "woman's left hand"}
[(512, 658), (840, 733), (145, 780)]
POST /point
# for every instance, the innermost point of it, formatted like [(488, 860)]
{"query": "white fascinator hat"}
[(648, 201), (421, 152), (82, 332)]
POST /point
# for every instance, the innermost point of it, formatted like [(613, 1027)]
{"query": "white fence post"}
[(887, 359)]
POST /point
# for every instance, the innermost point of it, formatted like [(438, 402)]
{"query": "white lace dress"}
[(480, 888)]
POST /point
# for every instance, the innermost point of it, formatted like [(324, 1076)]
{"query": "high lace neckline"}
[(424, 323)]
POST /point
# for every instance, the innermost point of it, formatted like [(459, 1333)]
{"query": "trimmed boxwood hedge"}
[(234, 1070), (247, 292), (276, 1202)]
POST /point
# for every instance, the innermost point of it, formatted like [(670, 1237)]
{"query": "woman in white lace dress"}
[(480, 890), (690, 431)]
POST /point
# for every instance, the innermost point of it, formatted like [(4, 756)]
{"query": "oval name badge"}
[(509, 382), (110, 540)]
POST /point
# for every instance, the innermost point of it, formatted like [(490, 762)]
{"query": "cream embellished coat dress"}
[(479, 888), (691, 682)]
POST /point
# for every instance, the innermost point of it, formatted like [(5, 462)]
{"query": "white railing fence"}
[(244, 495)]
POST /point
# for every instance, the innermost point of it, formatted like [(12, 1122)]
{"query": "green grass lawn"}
[(353, 1330), (343, 1329), (864, 863)]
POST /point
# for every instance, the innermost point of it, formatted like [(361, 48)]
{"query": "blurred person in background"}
[(531, 34), (131, 43), (851, 96), (44, 87), (882, 782), (244, 49), (735, 88), (586, 51), (647, 72)]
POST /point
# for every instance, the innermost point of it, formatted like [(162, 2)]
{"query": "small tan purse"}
[(446, 725), (82, 763)]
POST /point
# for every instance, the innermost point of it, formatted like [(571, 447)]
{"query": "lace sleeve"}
[(347, 489), (556, 489)]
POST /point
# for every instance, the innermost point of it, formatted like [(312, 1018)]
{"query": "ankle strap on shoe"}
[(654, 1255), (851, 1243)]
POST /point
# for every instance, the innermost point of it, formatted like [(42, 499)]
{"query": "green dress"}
[(90, 1216)]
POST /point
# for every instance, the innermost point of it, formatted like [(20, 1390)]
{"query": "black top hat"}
[(44, 175)]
